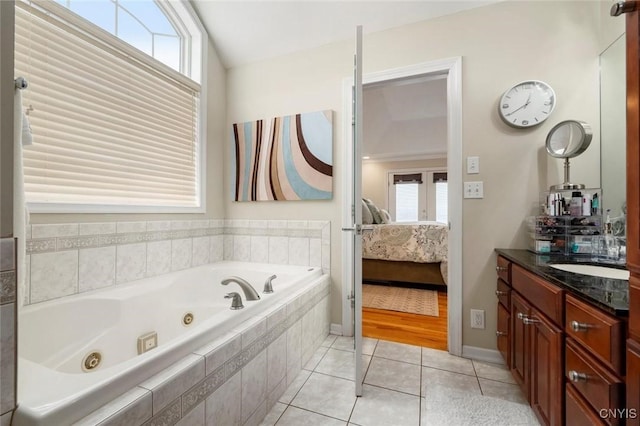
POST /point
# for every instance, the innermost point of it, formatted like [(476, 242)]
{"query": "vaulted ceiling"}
[(250, 31)]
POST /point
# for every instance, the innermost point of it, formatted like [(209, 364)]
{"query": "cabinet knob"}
[(576, 377), (521, 316), (529, 321), (501, 293), (579, 326), (502, 268), (500, 333)]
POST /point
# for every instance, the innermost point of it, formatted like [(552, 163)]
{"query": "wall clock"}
[(527, 104)]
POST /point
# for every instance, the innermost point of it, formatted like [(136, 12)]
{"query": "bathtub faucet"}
[(250, 293), (236, 300), (268, 287)]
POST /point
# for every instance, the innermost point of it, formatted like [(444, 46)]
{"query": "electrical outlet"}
[(473, 190), (477, 318), (473, 165)]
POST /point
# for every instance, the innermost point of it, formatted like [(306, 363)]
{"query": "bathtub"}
[(186, 310)]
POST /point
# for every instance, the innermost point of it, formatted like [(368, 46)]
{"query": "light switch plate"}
[(473, 190), (473, 165)]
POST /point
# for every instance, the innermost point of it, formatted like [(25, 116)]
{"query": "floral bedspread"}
[(422, 242)]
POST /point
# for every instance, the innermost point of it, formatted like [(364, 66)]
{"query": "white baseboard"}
[(336, 329), (482, 354)]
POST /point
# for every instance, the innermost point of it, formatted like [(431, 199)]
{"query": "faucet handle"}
[(268, 287), (236, 300)]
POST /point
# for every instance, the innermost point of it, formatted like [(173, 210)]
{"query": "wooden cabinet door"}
[(633, 383), (546, 369), (504, 334), (520, 342)]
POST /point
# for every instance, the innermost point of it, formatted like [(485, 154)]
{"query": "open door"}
[(354, 226)]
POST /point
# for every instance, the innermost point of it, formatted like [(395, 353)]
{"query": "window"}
[(115, 128), (143, 24), (418, 195)]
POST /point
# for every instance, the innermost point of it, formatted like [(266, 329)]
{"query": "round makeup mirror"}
[(568, 139)]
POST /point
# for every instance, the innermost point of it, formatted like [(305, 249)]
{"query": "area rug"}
[(411, 300)]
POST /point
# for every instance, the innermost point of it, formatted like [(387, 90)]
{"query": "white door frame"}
[(453, 68)]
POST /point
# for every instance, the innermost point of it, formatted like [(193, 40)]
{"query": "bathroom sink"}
[(593, 270)]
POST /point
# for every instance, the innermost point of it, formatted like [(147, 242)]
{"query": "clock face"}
[(527, 104)]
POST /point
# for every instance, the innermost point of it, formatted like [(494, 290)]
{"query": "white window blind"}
[(108, 128), (407, 202), (442, 200)]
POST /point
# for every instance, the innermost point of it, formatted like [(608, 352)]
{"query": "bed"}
[(412, 253)]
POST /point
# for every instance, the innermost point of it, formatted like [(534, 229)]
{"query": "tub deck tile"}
[(5, 419), (252, 330), (220, 351), (277, 316), (174, 381), (132, 408)]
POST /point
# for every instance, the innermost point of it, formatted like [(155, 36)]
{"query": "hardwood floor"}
[(402, 327)]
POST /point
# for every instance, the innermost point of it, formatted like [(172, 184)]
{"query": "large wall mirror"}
[(613, 132)]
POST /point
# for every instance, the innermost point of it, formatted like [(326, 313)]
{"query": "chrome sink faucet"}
[(250, 293)]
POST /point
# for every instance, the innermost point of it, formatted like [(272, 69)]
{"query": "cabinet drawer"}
[(503, 291), (577, 411), (596, 384), (601, 333), (503, 269), (546, 297), (504, 334)]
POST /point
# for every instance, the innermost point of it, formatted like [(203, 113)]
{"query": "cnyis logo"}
[(618, 413)]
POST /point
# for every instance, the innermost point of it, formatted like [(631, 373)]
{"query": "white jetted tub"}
[(60, 340)]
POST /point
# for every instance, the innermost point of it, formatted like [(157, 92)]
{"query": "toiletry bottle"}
[(551, 204), (595, 204), (586, 204), (608, 229), (575, 206)]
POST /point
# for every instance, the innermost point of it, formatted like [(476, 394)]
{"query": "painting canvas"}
[(288, 158)]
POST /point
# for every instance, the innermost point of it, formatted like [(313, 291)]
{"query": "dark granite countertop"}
[(611, 295)]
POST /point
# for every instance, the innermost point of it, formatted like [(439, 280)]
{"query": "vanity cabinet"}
[(536, 318), (567, 355)]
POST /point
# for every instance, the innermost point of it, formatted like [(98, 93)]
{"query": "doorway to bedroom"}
[(405, 201)]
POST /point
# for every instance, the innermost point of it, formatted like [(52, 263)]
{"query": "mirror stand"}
[(566, 185)]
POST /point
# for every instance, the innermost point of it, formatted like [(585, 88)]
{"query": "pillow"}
[(367, 217), (386, 217), (375, 211)]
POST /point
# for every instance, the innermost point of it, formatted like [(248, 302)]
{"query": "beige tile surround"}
[(67, 259)]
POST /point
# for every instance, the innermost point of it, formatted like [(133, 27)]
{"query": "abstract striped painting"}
[(290, 158)]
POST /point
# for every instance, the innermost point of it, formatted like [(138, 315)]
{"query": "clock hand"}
[(523, 106)]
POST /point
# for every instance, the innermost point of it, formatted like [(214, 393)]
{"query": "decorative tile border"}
[(296, 309), (46, 245)]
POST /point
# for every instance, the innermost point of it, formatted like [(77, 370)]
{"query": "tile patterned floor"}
[(404, 385)]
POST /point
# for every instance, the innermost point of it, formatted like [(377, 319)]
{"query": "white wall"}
[(501, 44), (375, 181)]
